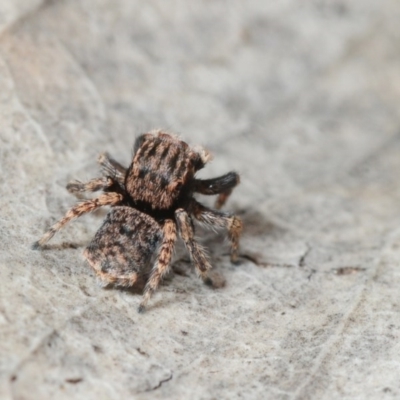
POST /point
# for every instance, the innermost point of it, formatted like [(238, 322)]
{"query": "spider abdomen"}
[(124, 246)]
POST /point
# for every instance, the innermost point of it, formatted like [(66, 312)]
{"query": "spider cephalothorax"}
[(151, 202)]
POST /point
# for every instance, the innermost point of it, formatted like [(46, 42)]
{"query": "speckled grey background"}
[(302, 98)]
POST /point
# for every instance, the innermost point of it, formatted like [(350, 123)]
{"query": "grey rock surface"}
[(301, 98)]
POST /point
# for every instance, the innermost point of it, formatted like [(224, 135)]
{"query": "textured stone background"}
[(302, 98)]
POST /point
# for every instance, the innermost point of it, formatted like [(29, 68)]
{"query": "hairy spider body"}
[(151, 203)]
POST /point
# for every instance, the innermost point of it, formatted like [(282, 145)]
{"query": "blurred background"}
[(302, 99)]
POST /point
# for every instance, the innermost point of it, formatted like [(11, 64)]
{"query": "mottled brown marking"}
[(123, 248), (158, 180)]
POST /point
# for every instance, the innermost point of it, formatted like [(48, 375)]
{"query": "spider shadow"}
[(255, 224), (137, 289)]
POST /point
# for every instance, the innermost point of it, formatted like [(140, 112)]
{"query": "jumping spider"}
[(151, 202)]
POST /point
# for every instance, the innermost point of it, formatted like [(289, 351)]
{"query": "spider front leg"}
[(106, 199), (220, 219), (185, 228), (113, 168), (223, 186), (93, 185), (163, 262)]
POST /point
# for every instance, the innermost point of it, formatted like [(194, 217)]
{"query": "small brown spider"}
[(151, 201)]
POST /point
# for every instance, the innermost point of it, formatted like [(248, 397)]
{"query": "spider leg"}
[(186, 232), (163, 262), (113, 168), (93, 185), (113, 277), (223, 186), (220, 219), (106, 199)]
